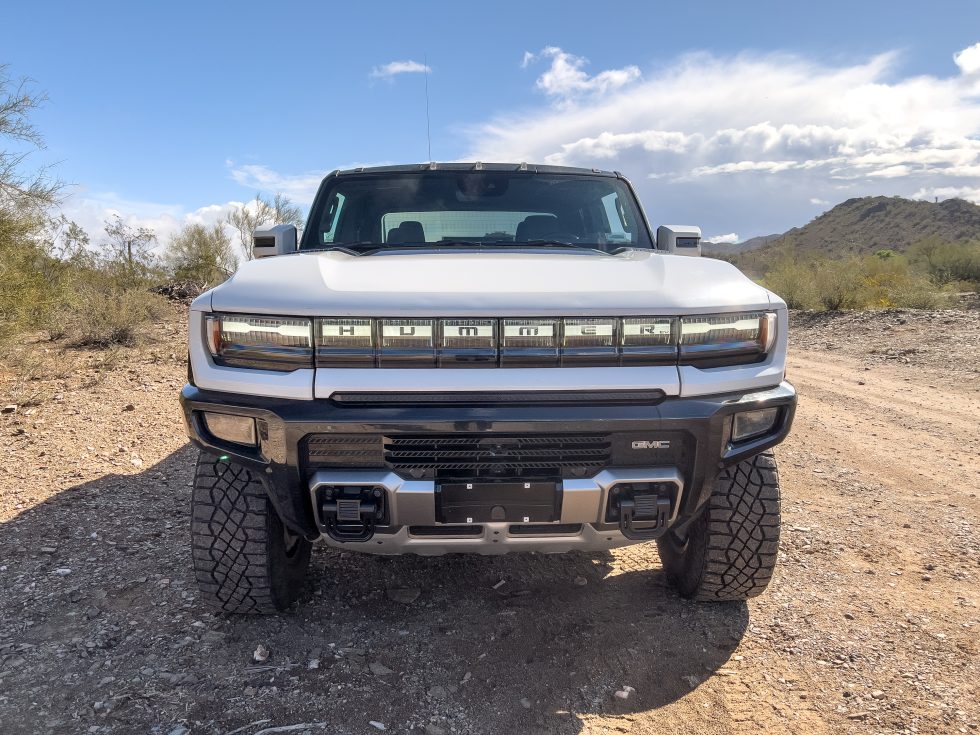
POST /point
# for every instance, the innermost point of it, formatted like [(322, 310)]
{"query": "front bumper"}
[(700, 426)]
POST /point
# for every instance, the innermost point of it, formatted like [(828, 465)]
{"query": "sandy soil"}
[(871, 624)]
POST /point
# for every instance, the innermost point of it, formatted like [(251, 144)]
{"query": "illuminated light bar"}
[(468, 343), (345, 333), (589, 333), (260, 342), (407, 342), (704, 340), (719, 339), (647, 331), (469, 333), (345, 342), (529, 343), (589, 341)]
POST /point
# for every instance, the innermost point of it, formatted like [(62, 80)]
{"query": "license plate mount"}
[(517, 501)]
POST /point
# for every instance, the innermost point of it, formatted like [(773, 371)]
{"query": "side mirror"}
[(273, 240), (679, 239)]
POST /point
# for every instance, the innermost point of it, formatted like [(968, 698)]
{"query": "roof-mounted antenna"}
[(428, 134)]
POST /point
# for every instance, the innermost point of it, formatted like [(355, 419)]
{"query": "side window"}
[(331, 216), (619, 229)]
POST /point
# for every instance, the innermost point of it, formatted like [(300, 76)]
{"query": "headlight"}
[(260, 342), (724, 339)]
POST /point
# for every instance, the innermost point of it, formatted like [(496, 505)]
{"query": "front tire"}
[(729, 551), (245, 559)]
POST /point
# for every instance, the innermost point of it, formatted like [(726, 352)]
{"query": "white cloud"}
[(730, 239), (300, 188), (566, 80), (819, 202), (970, 193), (91, 210), (746, 142), (968, 60), (394, 68)]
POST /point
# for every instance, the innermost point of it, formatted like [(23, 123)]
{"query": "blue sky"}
[(746, 118)]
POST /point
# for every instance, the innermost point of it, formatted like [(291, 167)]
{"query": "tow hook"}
[(636, 504), (350, 513)]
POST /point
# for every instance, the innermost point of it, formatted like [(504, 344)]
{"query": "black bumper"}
[(699, 429)]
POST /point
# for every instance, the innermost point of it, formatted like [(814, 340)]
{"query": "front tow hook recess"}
[(653, 511), (351, 513)]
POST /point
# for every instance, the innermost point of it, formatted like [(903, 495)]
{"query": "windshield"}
[(479, 208)]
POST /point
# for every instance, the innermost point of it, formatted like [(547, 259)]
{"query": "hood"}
[(486, 284)]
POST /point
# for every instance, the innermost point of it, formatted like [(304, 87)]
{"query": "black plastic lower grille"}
[(344, 450), (496, 456)]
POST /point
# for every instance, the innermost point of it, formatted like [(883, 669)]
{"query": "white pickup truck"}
[(483, 358)]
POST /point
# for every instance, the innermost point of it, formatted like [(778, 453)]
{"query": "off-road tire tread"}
[(231, 529), (734, 544)]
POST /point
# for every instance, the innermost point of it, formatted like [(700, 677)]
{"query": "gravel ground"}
[(870, 626)]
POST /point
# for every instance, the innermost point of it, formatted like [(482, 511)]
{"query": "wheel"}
[(729, 551), (245, 559)]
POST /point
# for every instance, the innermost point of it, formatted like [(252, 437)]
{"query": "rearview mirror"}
[(679, 239), (273, 240)]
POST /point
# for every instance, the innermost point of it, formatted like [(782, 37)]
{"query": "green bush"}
[(794, 283), (100, 318)]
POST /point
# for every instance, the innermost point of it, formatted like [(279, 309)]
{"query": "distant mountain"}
[(867, 224), (754, 243)]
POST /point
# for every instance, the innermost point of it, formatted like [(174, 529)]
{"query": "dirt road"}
[(871, 625)]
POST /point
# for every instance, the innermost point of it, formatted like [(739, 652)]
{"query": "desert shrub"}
[(794, 283), (201, 255), (946, 262), (98, 317), (839, 284)]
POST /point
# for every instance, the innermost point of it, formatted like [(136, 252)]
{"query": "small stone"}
[(8, 409), (404, 595), (136, 461), (581, 581), (926, 577), (624, 693), (179, 730), (313, 664), (432, 729), (379, 669), (692, 680), (48, 549), (377, 725), (525, 703), (437, 692), (260, 654), (129, 407), (848, 616), (62, 571), (877, 694)]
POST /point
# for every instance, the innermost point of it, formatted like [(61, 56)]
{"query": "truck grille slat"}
[(497, 455), (455, 456)]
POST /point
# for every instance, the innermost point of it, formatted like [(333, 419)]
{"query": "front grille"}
[(344, 450), (497, 456), (480, 456)]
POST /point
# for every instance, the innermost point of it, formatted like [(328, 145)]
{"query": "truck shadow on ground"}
[(543, 652)]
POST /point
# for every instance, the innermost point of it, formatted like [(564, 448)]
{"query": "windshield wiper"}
[(339, 248), (557, 244)]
